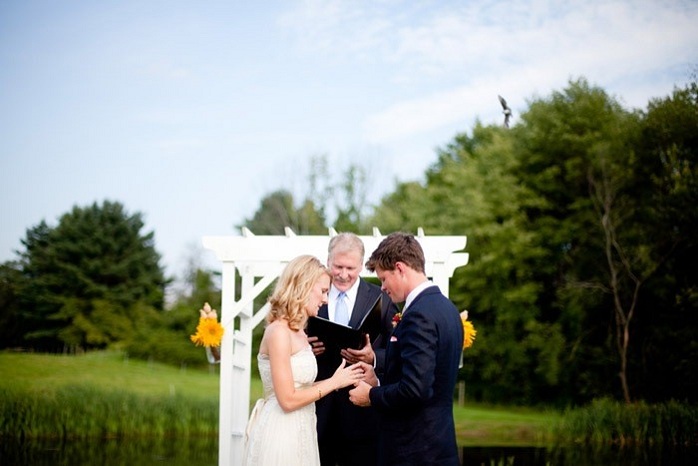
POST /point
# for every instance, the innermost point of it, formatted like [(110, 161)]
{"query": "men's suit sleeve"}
[(417, 339)]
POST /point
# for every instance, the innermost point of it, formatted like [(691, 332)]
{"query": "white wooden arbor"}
[(263, 258)]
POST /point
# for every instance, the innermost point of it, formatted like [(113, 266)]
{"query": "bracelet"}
[(319, 393)]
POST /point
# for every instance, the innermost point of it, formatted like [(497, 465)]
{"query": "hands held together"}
[(345, 375), (361, 376)]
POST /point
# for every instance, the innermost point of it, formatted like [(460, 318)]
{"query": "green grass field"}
[(478, 425), (113, 372), (106, 370)]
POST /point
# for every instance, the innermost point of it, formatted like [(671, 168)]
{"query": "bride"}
[(282, 427)]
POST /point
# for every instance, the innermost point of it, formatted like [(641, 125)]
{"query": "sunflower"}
[(208, 333), (469, 334)]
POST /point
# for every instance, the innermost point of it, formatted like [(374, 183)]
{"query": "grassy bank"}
[(108, 394), (607, 421), (105, 395), (105, 370), (479, 425)]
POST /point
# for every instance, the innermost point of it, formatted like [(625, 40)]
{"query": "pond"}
[(578, 456), (204, 452), (110, 452)]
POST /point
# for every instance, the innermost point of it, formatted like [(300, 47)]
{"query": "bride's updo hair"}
[(292, 290)]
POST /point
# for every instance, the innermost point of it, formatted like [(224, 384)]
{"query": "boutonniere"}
[(209, 332), (469, 331), (397, 318)]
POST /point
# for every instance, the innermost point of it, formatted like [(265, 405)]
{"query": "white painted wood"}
[(263, 258)]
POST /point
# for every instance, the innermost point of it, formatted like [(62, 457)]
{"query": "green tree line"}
[(581, 226)]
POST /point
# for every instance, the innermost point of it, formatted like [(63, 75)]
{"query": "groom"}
[(414, 396)]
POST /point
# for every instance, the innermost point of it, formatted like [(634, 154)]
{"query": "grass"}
[(107, 370), (110, 379), (637, 424), (478, 425)]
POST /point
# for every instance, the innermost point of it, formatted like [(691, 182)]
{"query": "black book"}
[(337, 336)]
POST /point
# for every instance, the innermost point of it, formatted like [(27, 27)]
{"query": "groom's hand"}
[(359, 394), (369, 376)]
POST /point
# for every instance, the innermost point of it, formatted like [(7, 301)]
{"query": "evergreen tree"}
[(87, 279)]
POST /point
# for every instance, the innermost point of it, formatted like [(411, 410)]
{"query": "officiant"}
[(347, 434)]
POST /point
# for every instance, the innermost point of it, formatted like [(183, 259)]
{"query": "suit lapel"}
[(365, 300)]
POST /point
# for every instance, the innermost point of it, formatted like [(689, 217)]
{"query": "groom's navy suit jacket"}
[(348, 434), (415, 396)]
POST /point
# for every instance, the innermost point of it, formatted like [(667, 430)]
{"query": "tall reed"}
[(85, 411), (605, 421)]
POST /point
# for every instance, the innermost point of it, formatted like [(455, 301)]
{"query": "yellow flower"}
[(469, 331), (469, 334), (208, 333)]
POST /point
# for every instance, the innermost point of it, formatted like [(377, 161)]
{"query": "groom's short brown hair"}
[(397, 247)]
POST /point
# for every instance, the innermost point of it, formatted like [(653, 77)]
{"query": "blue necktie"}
[(341, 312)]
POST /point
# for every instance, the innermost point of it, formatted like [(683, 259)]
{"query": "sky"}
[(190, 112)]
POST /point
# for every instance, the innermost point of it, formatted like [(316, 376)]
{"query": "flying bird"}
[(506, 111)]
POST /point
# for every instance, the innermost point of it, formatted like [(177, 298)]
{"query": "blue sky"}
[(191, 111)]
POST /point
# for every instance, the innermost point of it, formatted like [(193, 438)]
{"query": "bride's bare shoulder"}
[(279, 325), (277, 331)]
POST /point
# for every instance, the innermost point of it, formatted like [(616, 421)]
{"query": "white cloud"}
[(521, 47)]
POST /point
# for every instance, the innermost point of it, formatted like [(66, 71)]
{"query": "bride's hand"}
[(347, 375)]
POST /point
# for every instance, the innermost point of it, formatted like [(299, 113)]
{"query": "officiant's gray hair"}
[(345, 242)]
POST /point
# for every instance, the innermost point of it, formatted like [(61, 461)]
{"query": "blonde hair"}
[(292, 290)]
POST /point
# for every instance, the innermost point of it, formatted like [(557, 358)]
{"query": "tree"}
[(666, 186), (11, 283), (581, 153), (573, 148), (277, 211), (351, 205), (472, 190), (88, 278), (344, 199)]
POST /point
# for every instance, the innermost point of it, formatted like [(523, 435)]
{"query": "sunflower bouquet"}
[(469, 332), (209, 332)]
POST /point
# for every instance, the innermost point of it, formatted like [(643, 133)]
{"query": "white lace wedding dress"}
[(274, 437)]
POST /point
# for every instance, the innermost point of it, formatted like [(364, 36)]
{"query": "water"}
[(204, 452), (578, 456), (110, 452)]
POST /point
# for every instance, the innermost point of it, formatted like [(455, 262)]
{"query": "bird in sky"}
[(506, 111)]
